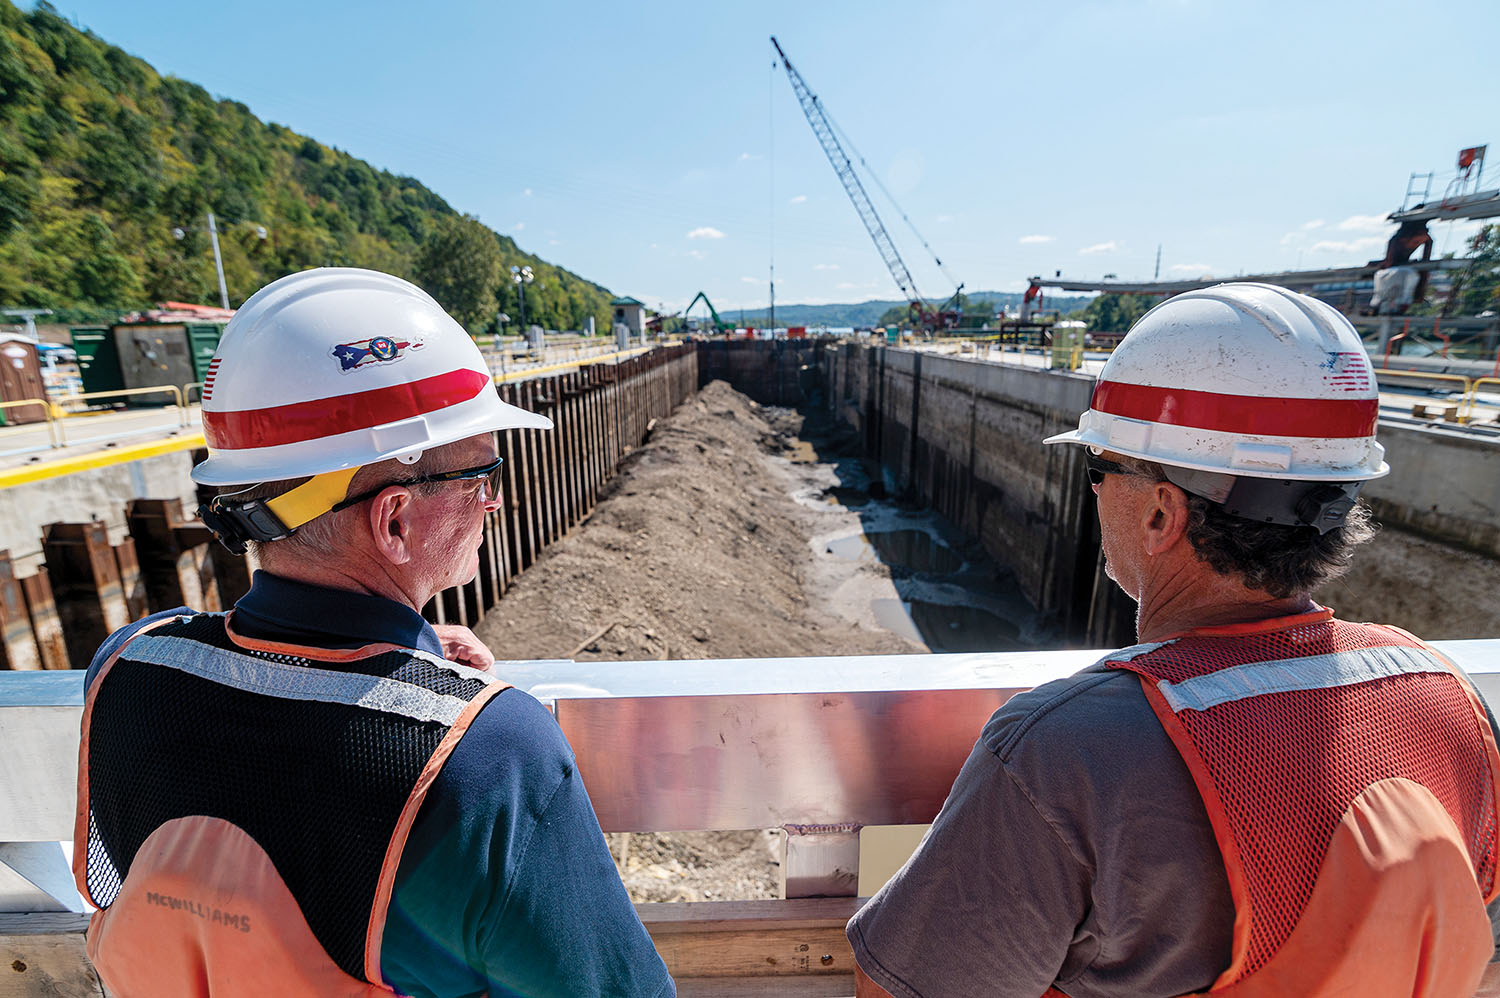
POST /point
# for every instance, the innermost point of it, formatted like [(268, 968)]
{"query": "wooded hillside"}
[(101, 158)]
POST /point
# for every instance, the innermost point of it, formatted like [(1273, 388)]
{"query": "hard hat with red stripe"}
[(330, 369), (1242, 382)]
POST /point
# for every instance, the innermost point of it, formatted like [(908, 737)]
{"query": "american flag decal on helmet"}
[(1349, 371)]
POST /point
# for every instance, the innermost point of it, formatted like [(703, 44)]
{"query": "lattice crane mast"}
[(921, 312)]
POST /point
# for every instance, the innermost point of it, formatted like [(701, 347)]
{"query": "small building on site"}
[(631, 313)]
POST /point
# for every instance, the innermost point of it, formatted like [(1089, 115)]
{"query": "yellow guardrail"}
[(1471, 398), (583, 362), (47, 415), (1464, 391), (172, 390)]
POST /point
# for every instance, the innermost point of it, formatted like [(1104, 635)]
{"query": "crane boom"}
[(823, 129)]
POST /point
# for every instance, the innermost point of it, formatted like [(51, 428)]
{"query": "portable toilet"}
[(20, 378)]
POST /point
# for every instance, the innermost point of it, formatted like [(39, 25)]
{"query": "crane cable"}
[(771, 174), (888, 196)]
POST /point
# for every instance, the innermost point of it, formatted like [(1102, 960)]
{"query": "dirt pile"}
[(697, 549)]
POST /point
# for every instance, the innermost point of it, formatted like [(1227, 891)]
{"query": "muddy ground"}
[(704, 546)]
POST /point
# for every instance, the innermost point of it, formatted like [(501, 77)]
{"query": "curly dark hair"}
[(1284, 561)]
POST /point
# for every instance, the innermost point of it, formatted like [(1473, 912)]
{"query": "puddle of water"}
[(914, 550), (946, 627)]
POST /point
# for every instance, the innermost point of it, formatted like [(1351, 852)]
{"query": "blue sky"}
[(652, 147)]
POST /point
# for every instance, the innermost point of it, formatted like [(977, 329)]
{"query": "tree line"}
[(102, 158)]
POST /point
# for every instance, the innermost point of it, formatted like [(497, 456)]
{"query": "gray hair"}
[(324, 536), (1283, 561)]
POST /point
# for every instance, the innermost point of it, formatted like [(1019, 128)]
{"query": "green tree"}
[(1112, 313), (459, 265), (1477, 288)]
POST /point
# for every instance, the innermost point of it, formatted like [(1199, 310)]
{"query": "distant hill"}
[(101, 158), (867, 313)]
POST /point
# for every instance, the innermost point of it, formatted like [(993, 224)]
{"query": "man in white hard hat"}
[(317, 793), (1258, 798)]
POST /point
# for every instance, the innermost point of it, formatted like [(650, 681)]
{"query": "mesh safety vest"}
[(243, 806), (1349, 773)]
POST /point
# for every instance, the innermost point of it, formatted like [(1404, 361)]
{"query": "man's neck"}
[(1193, 596), (351, 576)]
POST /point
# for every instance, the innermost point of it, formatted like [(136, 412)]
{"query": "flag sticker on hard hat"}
[(1347, 370), (376, 350)]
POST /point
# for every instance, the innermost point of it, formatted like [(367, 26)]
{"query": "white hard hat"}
[(1243, 380), (335, 368)]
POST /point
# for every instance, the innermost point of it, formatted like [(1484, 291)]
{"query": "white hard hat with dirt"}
[(1252, 396)]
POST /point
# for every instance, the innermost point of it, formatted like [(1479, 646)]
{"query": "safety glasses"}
[(1097, 467), (490, 473)]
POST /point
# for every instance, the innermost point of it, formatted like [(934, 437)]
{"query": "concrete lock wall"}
[(964, 437)]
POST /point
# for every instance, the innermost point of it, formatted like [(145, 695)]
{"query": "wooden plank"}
[(753, 939), (825, 986), (42, 956)]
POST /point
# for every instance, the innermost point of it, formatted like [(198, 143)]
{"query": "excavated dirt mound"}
[(697, 549)]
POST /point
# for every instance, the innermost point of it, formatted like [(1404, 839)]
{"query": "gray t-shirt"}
[(1074, 850)]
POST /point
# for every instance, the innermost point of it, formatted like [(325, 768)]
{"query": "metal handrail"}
[(1471, 399), (187, 392), (125, 392), (47, 416), (532, 371), (1386, 372)]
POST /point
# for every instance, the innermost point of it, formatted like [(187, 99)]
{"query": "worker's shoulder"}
[(1097, 707), (513, 735), (117, 640)]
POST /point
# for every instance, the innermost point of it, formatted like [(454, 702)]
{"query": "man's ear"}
[(391, 524), (1165, 518)]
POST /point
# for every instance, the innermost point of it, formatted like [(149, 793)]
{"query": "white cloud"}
[(519, 226), (553, 242), (656, 245), (526, 193), (705, 232), (798, 199), (695, 254), (1316, 223), (750, 155), (752, 280), (1108, 247), (1349, 246), (1027, 240), (1364, 223), (1190, 268), (825, 266)]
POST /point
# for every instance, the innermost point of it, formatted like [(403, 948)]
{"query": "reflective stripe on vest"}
[(1349, 775), (259, 796)]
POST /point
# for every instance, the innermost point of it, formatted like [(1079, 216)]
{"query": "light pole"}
[(520, 277), (213, 234)]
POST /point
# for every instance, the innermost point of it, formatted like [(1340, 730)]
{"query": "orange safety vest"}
[(243, 806), (1349, 772)]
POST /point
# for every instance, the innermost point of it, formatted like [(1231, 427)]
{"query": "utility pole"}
[(1157, 275)]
